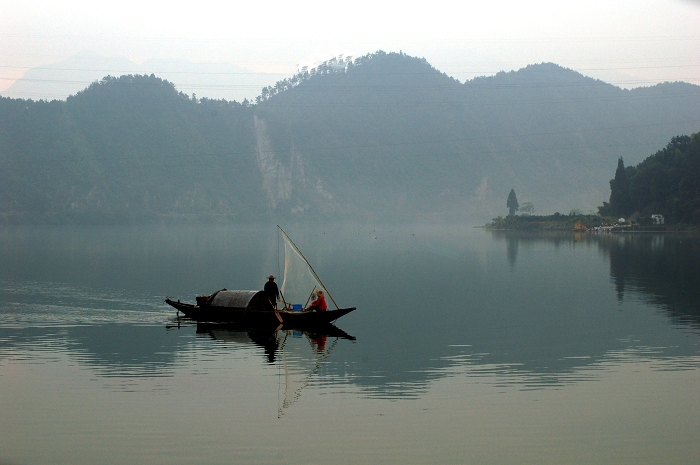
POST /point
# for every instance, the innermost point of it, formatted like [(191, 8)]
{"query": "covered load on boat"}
[(251, 301)]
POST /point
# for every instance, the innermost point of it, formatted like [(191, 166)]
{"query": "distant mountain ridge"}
[(69, 76), (383, 137), (426, 145)]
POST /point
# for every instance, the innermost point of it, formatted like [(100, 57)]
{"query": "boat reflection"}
[(271, 339)]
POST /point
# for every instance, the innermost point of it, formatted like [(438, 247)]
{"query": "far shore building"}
[(658, 219)]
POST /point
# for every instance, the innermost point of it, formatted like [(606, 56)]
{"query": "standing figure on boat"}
[(319, 303), (271, 290)]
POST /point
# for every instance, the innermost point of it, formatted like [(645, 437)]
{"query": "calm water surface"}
[(467, 347)]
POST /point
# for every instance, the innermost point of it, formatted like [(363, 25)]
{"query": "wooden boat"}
[(252, 313), (300, 281)]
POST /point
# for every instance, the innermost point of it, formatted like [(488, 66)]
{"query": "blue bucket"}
[(296, 307)]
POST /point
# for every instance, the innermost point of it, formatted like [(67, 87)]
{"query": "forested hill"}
[(126, 149), (395, 134), (666, 183), (386, 136)]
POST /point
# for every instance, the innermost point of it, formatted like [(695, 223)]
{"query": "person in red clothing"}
[(319, 304)]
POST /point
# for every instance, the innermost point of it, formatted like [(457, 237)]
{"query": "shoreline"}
[(579, 224)]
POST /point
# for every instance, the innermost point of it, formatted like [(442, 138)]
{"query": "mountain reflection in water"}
[(549, 310), (665, 268)]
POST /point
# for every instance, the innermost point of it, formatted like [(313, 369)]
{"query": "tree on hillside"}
[(527, 209), (620, 200), (512, 203)]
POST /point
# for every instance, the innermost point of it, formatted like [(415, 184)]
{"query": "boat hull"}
[(230, 314)]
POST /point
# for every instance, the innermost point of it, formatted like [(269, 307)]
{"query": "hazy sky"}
[(626, 42)]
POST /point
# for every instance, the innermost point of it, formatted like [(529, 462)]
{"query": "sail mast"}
[(309, 264)]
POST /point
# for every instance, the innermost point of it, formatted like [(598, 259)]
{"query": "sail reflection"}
[(300, 353)]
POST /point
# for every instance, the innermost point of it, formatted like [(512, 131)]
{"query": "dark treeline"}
[(666, 183), (384, 136), (572, 221)]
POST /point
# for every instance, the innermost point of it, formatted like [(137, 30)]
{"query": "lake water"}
[(470, 347)]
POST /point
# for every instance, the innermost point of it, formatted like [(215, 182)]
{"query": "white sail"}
[(299, 279)]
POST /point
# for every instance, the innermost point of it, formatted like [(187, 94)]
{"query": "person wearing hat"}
[(271, 290), (319, 304)]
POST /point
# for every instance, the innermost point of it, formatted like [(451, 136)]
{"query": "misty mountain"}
[(126, 149), (210, 79), (383, 137), (422, 143), (57, 81)]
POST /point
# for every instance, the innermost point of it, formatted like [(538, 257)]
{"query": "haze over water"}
[(471, 347)]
